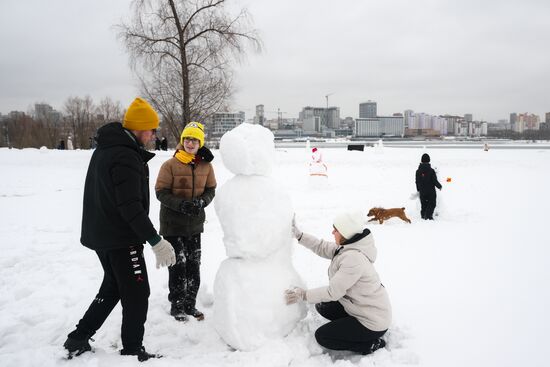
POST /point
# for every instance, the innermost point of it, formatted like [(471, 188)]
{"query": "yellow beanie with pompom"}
[(193, 130), (140, 116)]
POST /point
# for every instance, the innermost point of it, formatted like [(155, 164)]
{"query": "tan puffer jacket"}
[(353, 280), (176, 182)]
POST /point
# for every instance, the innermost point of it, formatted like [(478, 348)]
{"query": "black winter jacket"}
[(116, 192), (426, 180)]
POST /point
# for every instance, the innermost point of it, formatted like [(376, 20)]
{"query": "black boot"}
[(141, 353), (178, 312), (192, 311), (377, 344), (77, 343)]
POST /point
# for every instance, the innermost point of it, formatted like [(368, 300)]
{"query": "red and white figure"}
[(317, 167)]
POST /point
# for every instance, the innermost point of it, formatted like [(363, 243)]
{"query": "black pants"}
[(184, 278), (125, 279), (344, 332), (427, 202)]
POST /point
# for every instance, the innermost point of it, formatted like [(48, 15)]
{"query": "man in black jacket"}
[(115, 224), (426, 182)]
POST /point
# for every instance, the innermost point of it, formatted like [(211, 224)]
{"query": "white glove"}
[(414, 195), (296, 232), (165, 254), (294, 295)]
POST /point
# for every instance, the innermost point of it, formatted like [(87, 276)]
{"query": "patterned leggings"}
[(184, 277)]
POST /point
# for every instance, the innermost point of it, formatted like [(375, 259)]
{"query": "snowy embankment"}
[(469, 288)]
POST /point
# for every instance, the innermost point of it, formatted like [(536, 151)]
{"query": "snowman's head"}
[(316, 155), (248, 150)]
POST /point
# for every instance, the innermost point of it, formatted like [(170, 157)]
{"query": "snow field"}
[(467, 289)]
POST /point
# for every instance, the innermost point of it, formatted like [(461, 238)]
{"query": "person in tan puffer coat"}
[(185, 185), (355, 300)]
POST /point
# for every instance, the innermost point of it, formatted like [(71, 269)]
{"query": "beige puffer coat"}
[(353, 280)]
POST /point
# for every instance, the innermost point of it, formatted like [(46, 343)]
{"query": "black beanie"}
[(425, 158)]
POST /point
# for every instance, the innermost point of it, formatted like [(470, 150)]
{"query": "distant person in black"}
[(426, 182), (61, 145), (164, 143), (157, 143), (92, 141)]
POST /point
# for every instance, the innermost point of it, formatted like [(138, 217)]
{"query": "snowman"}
[(379, 147), (256, 217), (70, 143)]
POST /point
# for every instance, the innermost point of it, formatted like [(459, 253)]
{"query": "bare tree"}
[(109, 110), (22, 132), (80, 116), (50, 126), (182, 51)]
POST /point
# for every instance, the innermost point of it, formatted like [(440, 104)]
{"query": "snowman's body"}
[(256, 216)]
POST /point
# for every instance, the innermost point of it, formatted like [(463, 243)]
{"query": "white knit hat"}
[(349, 223)]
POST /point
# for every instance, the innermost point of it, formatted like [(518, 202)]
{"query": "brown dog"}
[(381, 214)]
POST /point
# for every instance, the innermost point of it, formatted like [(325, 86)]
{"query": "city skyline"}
[(444, 58)]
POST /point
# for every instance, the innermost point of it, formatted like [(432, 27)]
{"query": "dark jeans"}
[(344, 332), (427, 202), (184, 278), (125, 279)]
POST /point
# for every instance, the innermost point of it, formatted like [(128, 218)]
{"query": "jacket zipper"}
[(192, 181)]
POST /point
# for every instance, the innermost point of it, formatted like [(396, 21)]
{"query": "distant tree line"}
[(80, 119), (541, 134)]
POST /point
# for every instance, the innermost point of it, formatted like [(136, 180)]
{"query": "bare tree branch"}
[(182, 52)]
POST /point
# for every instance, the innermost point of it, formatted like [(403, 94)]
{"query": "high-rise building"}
[(222, 122), (409, 119), (312, 124), (513, 118), (524, 121), (328, 117), (367, 109), (392, 125), (260, 115), (547, 118), (380, 126), (45, 112), (367, 127), (42, 110), (333, 117), (453, 123)]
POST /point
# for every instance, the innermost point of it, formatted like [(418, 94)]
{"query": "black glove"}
[(192, 207), (187, 207), (199, 203), (205, 154)]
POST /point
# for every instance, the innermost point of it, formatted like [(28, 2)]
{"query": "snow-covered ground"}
[(468, 289)]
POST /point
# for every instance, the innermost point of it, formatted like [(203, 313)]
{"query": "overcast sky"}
[(486, 57)]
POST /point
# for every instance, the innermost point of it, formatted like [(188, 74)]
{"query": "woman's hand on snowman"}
[(294, 295), (296, 232)]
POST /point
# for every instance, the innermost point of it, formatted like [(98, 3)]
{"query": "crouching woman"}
[(355, 301)]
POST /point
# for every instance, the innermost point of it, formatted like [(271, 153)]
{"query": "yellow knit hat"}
[(193, 130), (140, 116)]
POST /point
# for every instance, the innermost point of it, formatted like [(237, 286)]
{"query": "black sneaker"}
[(192, 311), (178, 313), (377, 344), (141, 353), (77, 343)]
